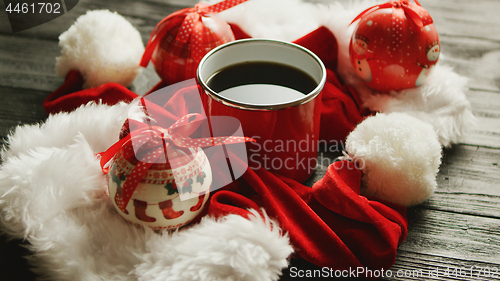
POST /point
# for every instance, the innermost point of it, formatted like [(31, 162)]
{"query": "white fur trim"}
[(440, 102), (103, 46), (399, 156), (232, 248), (52, 193)]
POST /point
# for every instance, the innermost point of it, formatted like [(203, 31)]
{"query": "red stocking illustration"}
[(140, 211), (119, 200), (168, 211), (198, 205)]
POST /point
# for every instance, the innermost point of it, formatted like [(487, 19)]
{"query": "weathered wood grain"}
[(144, 15), (485, 105), (464, 18), (420, 266), (28, 63), (20, 106), (453, 235), (470, 169)]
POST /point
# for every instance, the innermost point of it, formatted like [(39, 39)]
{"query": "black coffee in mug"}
[(261, 82)]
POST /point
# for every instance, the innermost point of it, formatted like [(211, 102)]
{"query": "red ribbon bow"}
[(192, 22), (400, 8), (148, 144)]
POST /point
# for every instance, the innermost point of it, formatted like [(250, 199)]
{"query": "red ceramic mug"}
[(285, 124)]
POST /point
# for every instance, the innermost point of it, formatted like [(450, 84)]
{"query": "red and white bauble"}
[(175, 60), (166, 197), (390, 51)]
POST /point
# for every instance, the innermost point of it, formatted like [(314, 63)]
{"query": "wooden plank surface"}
[(458, 228)]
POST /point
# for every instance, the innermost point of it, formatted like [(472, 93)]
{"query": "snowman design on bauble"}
[(433, 51), (360, 54), (394, 46)]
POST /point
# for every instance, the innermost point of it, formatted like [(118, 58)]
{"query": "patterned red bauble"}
[(394, 46), (175, 60), (179, 41)]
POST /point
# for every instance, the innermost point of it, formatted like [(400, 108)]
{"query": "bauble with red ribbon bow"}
[(156, 199), (160, 177), (179, 42), (394, 46)]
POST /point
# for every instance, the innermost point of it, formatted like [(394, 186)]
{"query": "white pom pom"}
[(103, 46), (399, 156)]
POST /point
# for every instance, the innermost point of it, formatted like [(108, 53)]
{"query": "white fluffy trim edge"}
[(231, 248)]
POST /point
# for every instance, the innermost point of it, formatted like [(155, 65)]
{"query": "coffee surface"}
[(261, 83)]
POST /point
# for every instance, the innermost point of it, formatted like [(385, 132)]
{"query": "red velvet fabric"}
[(330, 224)]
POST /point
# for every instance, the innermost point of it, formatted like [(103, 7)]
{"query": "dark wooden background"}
[(458, 228)]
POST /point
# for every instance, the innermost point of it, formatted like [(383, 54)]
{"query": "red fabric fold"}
[(330, 224), (370, 229), (70, 95)]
